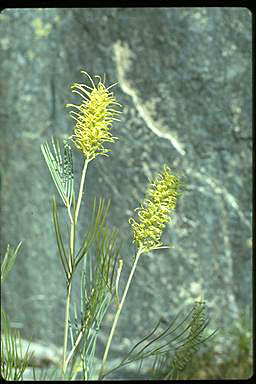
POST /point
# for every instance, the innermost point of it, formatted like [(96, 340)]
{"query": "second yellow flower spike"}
[(155, 211)]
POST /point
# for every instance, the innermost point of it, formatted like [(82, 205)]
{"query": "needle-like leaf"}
[(100, 250), (99, 217), (61, 171), (9, 260), (184, 347), (14, 360), (59, 240)]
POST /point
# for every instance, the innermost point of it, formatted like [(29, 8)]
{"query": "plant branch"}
[(86, 162), (75, 346), (71, 263), (64, 364), (101, 374)]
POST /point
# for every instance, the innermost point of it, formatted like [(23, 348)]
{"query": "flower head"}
[(155, 211), (94, 118)]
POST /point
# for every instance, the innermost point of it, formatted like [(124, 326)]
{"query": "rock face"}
[(185, 83)]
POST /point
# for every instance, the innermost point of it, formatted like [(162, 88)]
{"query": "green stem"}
[(72, 250), (64, 365), (86, 162), (75, 346), (101, 374), (70, 261)]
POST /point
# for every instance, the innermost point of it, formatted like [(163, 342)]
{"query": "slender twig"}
[(75, 346), (71, 257), (71, 263), (119, 270), (69, 212), (119, 309), (64, 366), (86, 162)]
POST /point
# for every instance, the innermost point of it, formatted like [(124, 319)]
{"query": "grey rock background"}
[(185, 83)]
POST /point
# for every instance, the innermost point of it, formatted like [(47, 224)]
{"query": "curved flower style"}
[(155, 211), (94, 118)]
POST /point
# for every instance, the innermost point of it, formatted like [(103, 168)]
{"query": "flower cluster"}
[(155, 211), (94, 118)]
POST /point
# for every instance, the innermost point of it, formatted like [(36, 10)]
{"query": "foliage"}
[(13, 361), (98, 255), (173, 347), (230, 363)]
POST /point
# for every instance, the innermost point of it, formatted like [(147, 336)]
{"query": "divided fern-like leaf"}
[(187, 346), (13, 360), (99, 217), (161, 346), (100, 252), (61, 169)]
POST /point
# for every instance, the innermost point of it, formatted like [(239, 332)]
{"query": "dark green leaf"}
[(59, 240), (13, 360), (98, 221), (184, 346)]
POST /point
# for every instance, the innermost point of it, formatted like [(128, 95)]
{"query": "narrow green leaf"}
[(9, 260), (99, 217), (187, 345), (13, 360), (60, 244)]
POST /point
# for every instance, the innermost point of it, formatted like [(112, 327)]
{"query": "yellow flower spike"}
[(94, 118), (155, 211)]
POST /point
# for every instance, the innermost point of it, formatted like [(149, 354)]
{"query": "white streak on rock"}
[(124, 57)]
